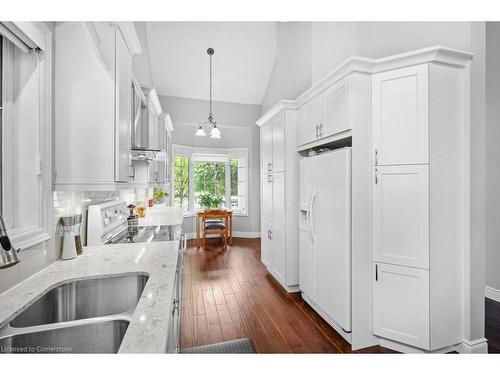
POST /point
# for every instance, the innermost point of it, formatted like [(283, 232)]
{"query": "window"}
[(238, 185), (181, 182), (221, 173), (26, 136), (209, 177)]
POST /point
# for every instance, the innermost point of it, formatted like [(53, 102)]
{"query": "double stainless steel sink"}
[(82, 316)]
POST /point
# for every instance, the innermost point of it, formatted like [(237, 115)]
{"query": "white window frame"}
[(218, 154), (28, 236)]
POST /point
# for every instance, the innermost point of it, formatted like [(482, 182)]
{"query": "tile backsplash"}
[(40, 256)]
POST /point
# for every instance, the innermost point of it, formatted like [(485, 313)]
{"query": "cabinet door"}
[(401, 304), (336, 108), (161, 170), (153, 171), (265, 245), (310, 116), (123, 114), (278, 130), (266, 139), (153, 136), (278, 259), (400, 116), (267, 218), (401, 215)]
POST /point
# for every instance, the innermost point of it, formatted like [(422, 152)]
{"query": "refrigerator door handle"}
[(311, 228)]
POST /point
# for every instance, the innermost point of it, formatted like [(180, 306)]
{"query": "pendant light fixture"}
[(210, 124)]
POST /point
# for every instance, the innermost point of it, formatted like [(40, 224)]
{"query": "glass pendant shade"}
[(200, 132), (215, 132)]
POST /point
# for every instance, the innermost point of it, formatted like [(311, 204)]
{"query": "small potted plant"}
[(205, 201), (209, 201), (160, 196)]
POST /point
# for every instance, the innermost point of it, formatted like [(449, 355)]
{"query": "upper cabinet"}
[(273, 145), (400, 116), (93, 105), (310, 121), (123, 107), (336, 108), (325, 115)]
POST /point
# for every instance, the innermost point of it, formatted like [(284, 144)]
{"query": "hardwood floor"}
[(492, 325), (229, 295)]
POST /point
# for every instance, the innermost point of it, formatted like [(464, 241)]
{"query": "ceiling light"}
[(200, 132), (210, 123)]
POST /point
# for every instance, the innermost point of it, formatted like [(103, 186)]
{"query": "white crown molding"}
[(362, 65), (274, 110)]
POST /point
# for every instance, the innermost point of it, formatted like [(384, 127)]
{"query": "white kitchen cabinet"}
[(401, 304), (92, 107), (310, 118), (156, 126), (401, 215), (273, 145), (418, 205), (336, 108), (278, 229), (266, 142), (123, 106), (157, 169), (279, 195), (327, 114), (278, 131), (400, 116)]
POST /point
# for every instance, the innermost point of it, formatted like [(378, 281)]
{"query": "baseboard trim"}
[(473, 347), (492, 293), (236, 234)]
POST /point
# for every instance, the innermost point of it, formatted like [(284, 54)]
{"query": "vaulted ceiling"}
[(242, 63)]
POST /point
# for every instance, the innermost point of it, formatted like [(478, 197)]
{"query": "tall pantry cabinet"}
[(279, 194), (418, 194)]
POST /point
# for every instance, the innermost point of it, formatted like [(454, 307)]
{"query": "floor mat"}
[(240, 346)]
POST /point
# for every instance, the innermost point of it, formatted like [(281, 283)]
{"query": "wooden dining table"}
[(199, 219)]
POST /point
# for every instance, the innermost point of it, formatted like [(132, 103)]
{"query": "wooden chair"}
[(215, 222)]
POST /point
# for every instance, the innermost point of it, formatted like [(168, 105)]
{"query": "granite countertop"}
[(149, 327), (161, 214)]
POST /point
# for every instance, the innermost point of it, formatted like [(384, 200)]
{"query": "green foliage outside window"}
[(181, 186)]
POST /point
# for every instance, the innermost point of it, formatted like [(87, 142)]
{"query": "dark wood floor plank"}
[(214, 326), (231, 295)]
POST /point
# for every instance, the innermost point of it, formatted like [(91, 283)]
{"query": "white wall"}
[(332, 42), (291, 73), (493, 155), (237, 124)]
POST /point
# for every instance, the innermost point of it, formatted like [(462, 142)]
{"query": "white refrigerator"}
[(325, 235)]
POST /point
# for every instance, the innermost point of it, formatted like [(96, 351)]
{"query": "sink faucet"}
[(8, 255)]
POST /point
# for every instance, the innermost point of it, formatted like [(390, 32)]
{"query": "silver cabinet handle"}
[(269, 178), (156, 176), (376, 272), (320, 129), (317, 134), (133, 172), (269, 167), (376, 157), (376, 176), (270, 235)]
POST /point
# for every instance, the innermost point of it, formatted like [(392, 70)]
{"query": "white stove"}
[(107, 224)]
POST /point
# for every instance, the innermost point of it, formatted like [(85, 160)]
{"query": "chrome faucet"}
[(8, 255)]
